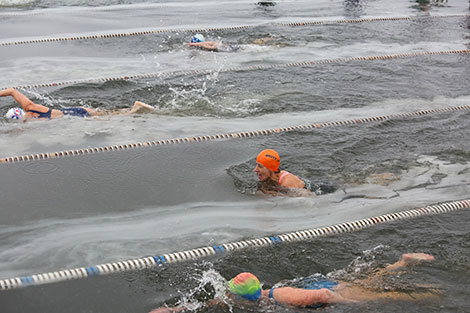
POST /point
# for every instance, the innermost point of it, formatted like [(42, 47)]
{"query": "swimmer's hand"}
[(6, 92)]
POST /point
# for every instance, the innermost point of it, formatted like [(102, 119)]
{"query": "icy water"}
[(92, 209)]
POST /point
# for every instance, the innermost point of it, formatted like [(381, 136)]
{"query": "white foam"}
[(22, 138)]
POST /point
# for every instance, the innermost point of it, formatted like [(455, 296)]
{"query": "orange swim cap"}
[(269, 159)]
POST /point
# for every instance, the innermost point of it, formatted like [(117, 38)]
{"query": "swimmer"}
[(245, 287), (271, 177), (198, 41), (30, 110)]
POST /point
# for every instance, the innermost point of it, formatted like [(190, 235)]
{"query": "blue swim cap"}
[(197, 38)]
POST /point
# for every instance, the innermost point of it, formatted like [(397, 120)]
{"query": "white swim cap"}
[(16, 114), (197, 38)]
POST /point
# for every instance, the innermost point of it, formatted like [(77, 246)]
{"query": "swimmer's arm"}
[(299, 192), (208, 45), (303, 297), (294, 187), (409, 259), (292, 181), (22, 100), (289, 192)]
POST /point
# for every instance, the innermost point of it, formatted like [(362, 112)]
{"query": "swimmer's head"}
[(16, 114), (197, 38), (269, 159), (246, 285)]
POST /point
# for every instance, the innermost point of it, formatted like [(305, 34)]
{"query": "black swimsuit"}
[(80, 112), (43, 114)]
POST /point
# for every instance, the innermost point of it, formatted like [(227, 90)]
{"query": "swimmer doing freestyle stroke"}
[(198, 41), (30, 110), (245, 288)]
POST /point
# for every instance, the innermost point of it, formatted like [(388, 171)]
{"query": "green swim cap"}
[(246, 285)]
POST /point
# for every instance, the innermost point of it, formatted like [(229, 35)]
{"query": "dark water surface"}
[(111, 206), (342, 257)]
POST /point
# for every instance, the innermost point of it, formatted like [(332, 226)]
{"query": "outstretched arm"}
[(304, 297), (207, 45), (22, 100)]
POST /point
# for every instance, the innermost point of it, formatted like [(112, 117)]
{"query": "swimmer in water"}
[(30, 110), (199, 41), (246, 288), (273, 180)]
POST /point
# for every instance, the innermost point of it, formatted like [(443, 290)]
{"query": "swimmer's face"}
[(262, 172)]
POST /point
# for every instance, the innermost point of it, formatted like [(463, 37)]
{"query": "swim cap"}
[(246, 285), (269, 159), (197, 38), (16, 113)]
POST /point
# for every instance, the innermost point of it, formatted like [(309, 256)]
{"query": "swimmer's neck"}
[(275, 176)]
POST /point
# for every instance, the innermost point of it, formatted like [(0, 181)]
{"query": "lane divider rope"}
[(239, 135), (170, 74), (194, 254), (221, 28)]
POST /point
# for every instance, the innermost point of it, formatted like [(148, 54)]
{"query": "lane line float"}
[(194, 254), (221, 28), (163, 75), (239, 135)]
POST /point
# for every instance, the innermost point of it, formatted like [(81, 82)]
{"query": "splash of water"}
[(211, 285), (360, 266)]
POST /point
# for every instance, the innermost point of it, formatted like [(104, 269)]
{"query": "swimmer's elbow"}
[(325, 296)]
